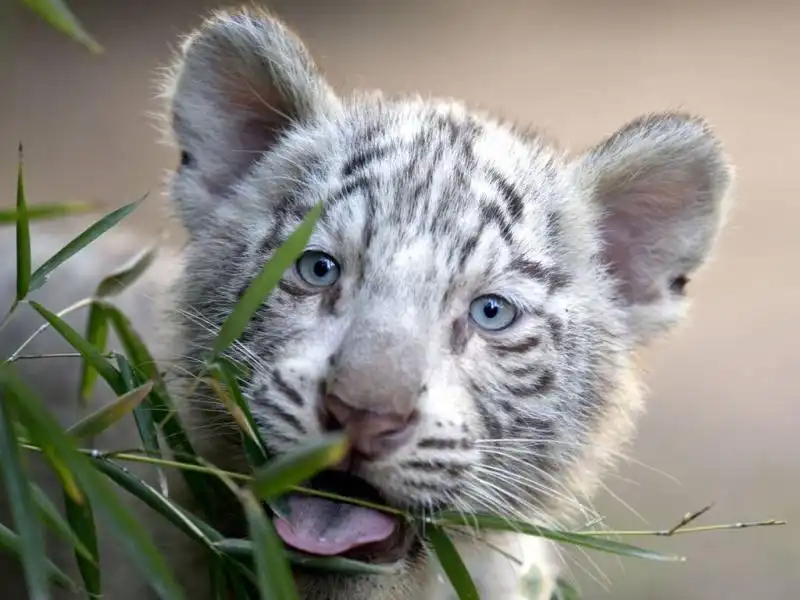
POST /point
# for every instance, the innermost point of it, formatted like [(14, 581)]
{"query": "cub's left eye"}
[(318, 269), (492, 312)]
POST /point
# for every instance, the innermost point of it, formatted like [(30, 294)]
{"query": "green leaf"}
[(45, 432), (565, 591), (89, 352), (121, 279), (185, 521), (265, 282), (594, 542), (97, 336), (23, 510), (23, 236), (274, 576), (243, 550), (46, 211), (81, 520), (233, 399), (293, 468), (53, 520), (108, 415), (11, 543), (81, 241), (451, 563), (59, 16), (163, 410)]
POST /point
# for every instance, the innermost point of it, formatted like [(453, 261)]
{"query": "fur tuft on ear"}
[(243, 78), (662, 184)]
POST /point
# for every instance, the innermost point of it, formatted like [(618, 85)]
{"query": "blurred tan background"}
[(724, 418)]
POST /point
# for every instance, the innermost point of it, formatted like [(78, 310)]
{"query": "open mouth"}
[(323, 527)]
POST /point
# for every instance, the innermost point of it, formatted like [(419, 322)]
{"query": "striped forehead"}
[(434, 181)]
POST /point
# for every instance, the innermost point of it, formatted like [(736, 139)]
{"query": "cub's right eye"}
[(318, 269)]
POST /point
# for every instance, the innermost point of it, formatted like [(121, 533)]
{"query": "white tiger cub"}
[(467, 310)]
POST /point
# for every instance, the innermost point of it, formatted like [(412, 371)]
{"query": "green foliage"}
[(58, 14)]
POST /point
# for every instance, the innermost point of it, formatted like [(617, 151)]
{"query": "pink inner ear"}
[(641, 218)]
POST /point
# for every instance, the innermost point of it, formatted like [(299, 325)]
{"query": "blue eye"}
[(318, 269), (492, 312)]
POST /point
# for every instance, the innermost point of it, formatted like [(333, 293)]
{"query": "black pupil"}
[(322, 267), (491, 308)]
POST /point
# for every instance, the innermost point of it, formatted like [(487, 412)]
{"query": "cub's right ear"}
[(243, 79)]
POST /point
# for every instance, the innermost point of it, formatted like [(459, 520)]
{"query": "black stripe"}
[(518, 347), (554, 278), (359, 161), (442, 443), (287, 417), (543, 384), (291, 393), (491, 214), (510, 194)]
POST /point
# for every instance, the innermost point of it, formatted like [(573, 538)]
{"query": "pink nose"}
[(371, 434)]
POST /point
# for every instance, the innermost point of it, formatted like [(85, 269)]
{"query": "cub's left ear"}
[(662, 183)]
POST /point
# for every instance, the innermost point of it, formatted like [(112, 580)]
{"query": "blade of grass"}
[(243, 550), (274, 576), (53, 520), (11, 543), (94, 356), (185, 521), (163, 410), (121, 279), (265, 282), (451, 562), (143, 416), (81, 520), (81, 241), (46, 211), (97, 336), (45, 432), (23, 510), (59, 16), (292, 468), (565, 591), (105, 417), (234, 400), (494, 522), (23, 235)]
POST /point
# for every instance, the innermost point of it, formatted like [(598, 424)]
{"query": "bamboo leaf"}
[(81, 520), (272, 567), (587, 541), (53, 520), (23, 511), (23, 235), (232, 397), (81, 241), (451, 562), (185, 521), (105, 417), (45, 432), (46, 211), (89, 352), (11, 543), (97, 336), (162, 408), (121, 279), (243, 550), (59, 15), (265, 282), (292, 468)]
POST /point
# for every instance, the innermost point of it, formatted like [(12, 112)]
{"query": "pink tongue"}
[(326, 528)]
